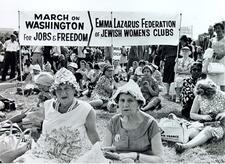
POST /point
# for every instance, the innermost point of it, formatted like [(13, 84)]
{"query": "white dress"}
[(218, 47), (63, 136)]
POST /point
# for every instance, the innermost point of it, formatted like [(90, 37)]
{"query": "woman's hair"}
[(206, 87), (96, 66), (90, 65), (118, 97), (83, 61), (184, 38), (141, 62), (219, 24), (196, 64), (106, 67), (147, 67)]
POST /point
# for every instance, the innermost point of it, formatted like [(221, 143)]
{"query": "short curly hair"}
[(206, 87)]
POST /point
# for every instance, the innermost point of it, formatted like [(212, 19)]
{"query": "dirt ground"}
[(211, 152)]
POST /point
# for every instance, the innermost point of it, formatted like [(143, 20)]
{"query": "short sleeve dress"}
[(136, 140), (184, 66), (218, 47), (216, 105)]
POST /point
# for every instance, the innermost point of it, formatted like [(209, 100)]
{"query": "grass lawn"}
[(210, 152)]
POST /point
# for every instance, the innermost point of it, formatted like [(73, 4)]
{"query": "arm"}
[(4, 86), (194, 111), (157, 151), (91, 127), (153, 88), (10, 156), (218, 56), (176, 66), (107, 142)]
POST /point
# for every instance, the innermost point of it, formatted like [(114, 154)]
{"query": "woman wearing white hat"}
[(182, 70), (67, 124), (133, 134)]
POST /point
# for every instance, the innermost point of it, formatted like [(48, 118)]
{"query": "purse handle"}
[(22, 136)]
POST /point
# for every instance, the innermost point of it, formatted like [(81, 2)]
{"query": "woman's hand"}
[(128, 157), (206, 117), (146, 83), (218, 56), (220, 116)]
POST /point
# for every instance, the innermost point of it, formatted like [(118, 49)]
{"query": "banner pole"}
[(111, 41), (20, 57), (178, 47)]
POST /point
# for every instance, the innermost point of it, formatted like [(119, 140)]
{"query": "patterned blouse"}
[(184, 65), (103, 89), (153, 83), (187, 92), (216, 105)]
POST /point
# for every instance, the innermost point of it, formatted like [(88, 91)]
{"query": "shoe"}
[(158, 107), (179, 148), (177, 100), (167, 96)]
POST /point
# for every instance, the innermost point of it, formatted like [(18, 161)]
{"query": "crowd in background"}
[(97, 74)]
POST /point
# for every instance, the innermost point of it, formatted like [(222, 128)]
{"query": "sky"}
[(196, 13)]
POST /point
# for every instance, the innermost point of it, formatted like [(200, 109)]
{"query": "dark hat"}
[(107, 67)]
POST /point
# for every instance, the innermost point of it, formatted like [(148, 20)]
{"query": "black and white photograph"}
[(112, 81)]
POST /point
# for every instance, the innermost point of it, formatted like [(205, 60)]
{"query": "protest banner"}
[(98, 28), (186, 30), (54, 28)]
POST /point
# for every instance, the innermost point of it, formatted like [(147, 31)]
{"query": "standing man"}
[(11, 48)]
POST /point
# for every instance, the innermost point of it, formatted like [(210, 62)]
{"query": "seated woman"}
[(132, 134), (149, 89), (130, 74), (93, 81), (104, 88), (30, 86), (187, 90), (211, 101), (138, 73), (117, 70), (83, 71), (182, 70), (67, 124), (156, 74)]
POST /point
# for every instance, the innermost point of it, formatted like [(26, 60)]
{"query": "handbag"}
[(215, 68), (174, 129), (10, 141)]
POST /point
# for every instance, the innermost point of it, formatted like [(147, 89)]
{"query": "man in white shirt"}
[(11, 48)]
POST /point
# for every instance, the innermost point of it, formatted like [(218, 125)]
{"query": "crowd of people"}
[(132, 86)]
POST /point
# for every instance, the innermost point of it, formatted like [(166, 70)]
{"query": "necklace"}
[(72, 106)]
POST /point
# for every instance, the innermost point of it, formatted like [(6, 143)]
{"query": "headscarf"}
[(45, 78), (131, 88), (64, 76)]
